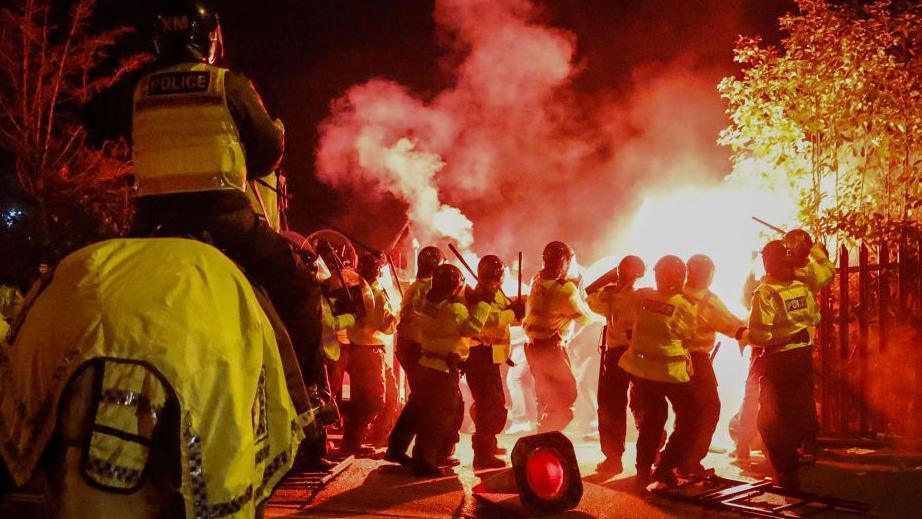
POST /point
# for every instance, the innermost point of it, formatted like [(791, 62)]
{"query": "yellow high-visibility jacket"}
[(336, 327), (408, 327), (780, 311), (618, 305), (664, 326), (818, 272), (183, 134), (379, 322), (163, 312), (553, 308), (446, 329), (495, 332), (713, 317)]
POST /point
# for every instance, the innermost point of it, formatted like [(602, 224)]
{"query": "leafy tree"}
[(51, 63), (833, 116)]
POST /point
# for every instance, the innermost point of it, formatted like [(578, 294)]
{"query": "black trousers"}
[(555, 385), (408, 353), (703, 386), (489, 408), (225, 217), (614, 385), (365, 366), (441, 410), (652, 406), (387, 417), (786, 407)]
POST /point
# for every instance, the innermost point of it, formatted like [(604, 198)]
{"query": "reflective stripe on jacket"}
[(552, 309), (713, 317), (183, 134), (185, 311), (664, 324), (781, 312), (617, 305)]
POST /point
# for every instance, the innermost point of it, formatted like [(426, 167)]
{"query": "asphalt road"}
[(890, 482)]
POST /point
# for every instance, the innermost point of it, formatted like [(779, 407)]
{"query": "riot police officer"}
[(783, 315)]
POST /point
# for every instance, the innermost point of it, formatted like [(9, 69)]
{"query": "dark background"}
[(303, 54)]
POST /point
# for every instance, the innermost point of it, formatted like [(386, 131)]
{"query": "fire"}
[(514, 147), (716, 221)]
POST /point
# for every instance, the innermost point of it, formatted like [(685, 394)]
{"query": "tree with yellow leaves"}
[(833, 116)]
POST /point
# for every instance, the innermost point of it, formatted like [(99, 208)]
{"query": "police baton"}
[(775, 228), (714, 353), (520, 275)]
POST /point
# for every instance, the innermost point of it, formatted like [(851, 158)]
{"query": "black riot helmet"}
[(429, 258), (670, 274), (700, 271), (490, 271), (371, 265), (557, 257), (777, 260), (187, 30), (447, 281), (631, 268), (798, 243)]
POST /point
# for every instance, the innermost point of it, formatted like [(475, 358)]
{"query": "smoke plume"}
[(513, 146)]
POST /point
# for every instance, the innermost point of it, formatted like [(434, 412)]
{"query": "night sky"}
[(303, 54)]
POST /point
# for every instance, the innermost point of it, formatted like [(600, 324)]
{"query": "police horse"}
[(145, 381)]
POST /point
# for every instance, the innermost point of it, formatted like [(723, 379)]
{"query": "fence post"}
[(883, 334), (863, 304), (883, 297), (903, 265), (917, 276), (843, 341), (827, 349)]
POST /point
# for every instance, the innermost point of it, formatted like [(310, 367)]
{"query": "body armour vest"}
[(184, 136)]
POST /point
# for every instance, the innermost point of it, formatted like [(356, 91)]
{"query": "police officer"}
[(812, 267), (490, 349), (408, 349), (199, 132), (782, 316), (658, 360), (552, 309), (446, 326), (713, 317), (612, 296), (362, 357)]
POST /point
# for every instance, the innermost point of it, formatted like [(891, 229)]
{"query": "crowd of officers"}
[(202, 139), (657, 349)]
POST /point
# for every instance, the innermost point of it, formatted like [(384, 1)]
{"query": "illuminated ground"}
[(890, 481), (891, 484)]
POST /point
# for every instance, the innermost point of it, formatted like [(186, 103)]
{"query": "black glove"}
[(518, 308)]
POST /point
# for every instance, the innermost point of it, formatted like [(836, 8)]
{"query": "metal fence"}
[(868, 347)]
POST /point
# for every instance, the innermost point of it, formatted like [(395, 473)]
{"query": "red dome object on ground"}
[(545, 473)]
